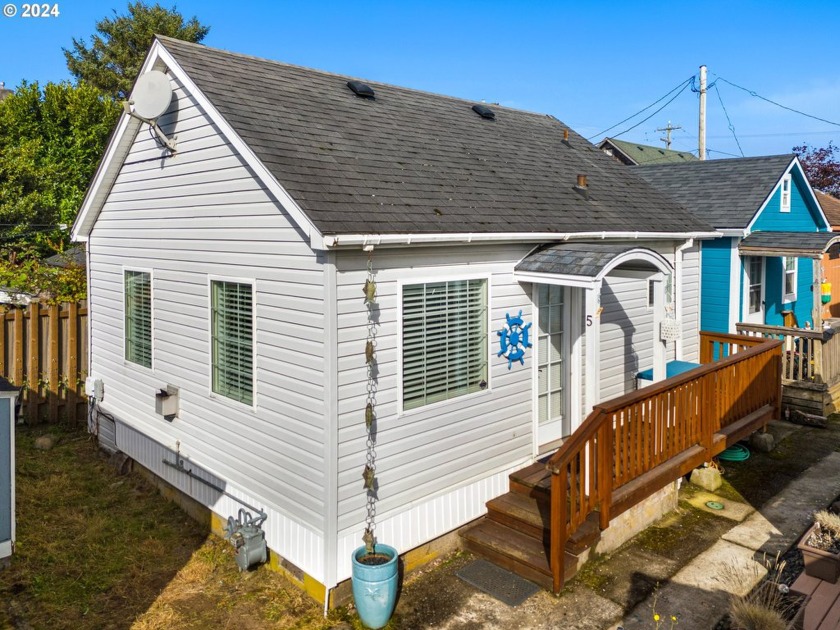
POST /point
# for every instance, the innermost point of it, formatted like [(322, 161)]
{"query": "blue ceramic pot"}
[(375, 586)]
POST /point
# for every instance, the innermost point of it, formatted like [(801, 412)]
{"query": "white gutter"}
[(736, 232), (339, 240)]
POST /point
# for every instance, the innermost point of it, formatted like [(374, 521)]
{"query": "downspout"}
[(676, 286)]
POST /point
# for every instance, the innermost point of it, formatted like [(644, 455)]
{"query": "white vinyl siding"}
[(626, 334), (190, 219), (137, 286), (444, 340), (232, 340), (436, 448)]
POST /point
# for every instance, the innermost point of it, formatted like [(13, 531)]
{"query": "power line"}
[(644, 120), (728, 120), (681, 85), (724, 153), (790, 109)]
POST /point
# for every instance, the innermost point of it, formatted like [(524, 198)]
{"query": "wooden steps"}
[(515, 533)]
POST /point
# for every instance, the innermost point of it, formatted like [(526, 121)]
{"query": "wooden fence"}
[(43, 350)]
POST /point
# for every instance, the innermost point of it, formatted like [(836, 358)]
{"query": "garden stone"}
[(707, 478), (44, 442), (762, 442)]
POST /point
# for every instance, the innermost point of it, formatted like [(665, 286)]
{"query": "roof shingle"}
[(416, 162)]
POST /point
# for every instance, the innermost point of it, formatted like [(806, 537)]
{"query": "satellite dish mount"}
[(150, 99)]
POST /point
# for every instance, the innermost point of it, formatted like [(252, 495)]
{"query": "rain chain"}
[(369, 474)]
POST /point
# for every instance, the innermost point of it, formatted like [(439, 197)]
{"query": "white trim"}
[(159, 54), (105, 176), (151, 273), (788, 298), (447, 275), (566, 353), (745, 294), (592, 330), (576, 359), (330, 420), (356, 240), (677, 284), (734, 284), (784, 201), (566, 280), (252, 282)]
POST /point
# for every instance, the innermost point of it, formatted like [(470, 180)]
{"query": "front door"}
[(754, 290), (553, 418)]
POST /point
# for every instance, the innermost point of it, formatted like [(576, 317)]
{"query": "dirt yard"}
[(99, 550)]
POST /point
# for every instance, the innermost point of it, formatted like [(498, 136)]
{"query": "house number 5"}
[(588, 321)]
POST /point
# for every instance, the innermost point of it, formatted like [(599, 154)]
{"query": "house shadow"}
[(100, 541)]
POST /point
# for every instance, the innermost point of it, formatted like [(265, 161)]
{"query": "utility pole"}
[(701, 136), (668, 129)]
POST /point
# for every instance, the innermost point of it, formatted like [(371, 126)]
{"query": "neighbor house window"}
[(232, 340), (786, 193), (138, 317), (444, 340), (789, 281)]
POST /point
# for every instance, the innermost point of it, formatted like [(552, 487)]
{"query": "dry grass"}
[(828, 522), (765, 607), (747, 615), (99, 551)]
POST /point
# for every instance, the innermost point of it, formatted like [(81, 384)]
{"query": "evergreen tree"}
[(119, 46)]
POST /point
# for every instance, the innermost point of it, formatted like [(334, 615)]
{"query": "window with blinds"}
[(232, 340), (444, 340), (138, 317)]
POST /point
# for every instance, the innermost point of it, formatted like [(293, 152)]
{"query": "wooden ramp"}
[(625, 451)]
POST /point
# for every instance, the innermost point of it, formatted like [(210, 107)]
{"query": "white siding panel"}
[(196, 216), (435, 450), (426, 520), (302, 545), (690, 316), (626, 334)]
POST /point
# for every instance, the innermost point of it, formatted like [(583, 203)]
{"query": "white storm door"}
[(553, 418), (754, 290)]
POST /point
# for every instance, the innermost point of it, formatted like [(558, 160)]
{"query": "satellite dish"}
[(152, 95)]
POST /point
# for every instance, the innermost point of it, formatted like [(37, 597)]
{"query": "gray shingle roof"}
[(413, 162), (726, 193), (574, 258), (806, 244)]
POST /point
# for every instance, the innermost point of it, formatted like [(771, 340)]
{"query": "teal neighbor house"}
[(767, 267)]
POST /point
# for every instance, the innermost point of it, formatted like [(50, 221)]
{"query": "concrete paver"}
[(733, 510)]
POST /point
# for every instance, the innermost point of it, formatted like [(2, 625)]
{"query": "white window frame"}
[(785, 193), (252, 282), (442, 276), (789, 297), (126, 361)]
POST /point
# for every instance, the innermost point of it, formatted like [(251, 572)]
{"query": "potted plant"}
[(820, 547)]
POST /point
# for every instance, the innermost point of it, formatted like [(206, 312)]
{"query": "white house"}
[(233, 270)]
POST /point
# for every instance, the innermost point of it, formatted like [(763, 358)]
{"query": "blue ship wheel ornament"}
[(513, 339)]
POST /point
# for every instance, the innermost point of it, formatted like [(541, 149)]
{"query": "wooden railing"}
[(631, 446), (803, 351), (43, 350)]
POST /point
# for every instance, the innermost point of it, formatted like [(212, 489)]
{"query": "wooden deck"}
[(627, 449), (822, 609)]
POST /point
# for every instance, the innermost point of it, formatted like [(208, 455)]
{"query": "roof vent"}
[(484, 112), (361, 89)]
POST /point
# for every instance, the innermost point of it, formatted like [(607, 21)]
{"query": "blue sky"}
[(590, 64)]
